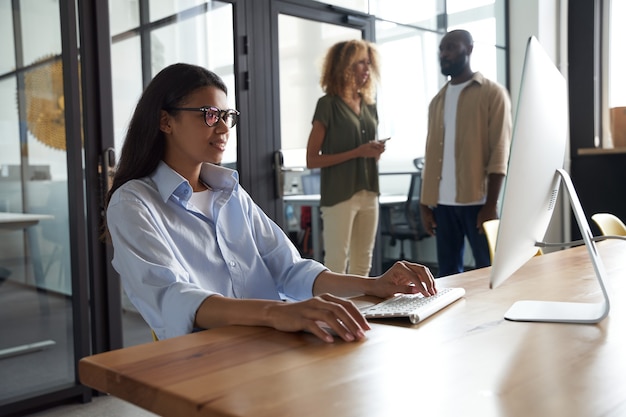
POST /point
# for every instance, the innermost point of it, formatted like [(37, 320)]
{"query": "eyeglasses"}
[(212, 115)]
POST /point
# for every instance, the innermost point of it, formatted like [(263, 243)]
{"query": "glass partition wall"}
[(407, 36), (39, 306)]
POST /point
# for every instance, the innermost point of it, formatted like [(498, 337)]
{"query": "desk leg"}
[(35, 258)]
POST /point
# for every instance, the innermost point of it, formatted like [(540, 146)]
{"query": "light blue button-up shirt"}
[(170, 256)]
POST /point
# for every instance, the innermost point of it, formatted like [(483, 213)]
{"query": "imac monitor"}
[(535, 173)]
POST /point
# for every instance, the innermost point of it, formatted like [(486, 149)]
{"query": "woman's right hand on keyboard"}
[(404, 277)]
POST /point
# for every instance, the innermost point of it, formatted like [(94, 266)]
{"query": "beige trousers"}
[(350, 233)]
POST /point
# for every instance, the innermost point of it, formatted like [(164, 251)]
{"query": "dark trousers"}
[(454, 224)]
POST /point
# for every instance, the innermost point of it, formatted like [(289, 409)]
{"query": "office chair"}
[(609, 224), (491, 232), (310, 185), (403, 222)]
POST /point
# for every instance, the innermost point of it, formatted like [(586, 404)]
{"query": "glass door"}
[(299, 71), (41, 305)]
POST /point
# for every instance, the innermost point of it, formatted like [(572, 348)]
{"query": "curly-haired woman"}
[(343, 144)]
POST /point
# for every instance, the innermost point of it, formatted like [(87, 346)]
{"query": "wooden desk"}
[(16, 221), (464, 361)]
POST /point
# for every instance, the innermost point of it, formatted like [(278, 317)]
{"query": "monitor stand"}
[(564, 312)]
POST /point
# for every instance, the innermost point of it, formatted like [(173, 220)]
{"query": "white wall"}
[(547, 21)]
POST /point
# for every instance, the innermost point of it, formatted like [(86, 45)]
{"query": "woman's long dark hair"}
[(144, 145)]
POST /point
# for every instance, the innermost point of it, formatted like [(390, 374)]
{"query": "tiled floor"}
[(26, 316), (105, 406)]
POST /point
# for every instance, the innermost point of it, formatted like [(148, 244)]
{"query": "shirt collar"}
[(170, 182), (477, 77), (218, 177)]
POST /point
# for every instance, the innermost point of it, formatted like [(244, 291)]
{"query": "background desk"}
[(464, 361), (17, 221), (313, 201)]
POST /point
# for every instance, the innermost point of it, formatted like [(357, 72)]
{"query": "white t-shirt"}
[(203, 201), (447, 185)]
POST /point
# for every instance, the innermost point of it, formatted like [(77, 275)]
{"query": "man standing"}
[(467, 150)]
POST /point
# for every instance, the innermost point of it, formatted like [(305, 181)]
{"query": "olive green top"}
[(346, 130)]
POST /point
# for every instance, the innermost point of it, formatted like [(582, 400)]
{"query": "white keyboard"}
[(414, 306)]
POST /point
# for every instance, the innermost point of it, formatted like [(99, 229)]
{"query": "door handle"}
[(109, 167), (106, 169), (279, 176), (279, 173)]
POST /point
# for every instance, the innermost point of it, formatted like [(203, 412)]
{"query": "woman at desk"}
[(192, 248), (342, 143)]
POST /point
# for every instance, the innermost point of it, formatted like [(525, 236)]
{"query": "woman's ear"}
[(164, 122)]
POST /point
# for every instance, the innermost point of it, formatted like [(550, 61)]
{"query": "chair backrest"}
[(419, 163), (412, 206), (609, 224), (491, 232), (404, 221)]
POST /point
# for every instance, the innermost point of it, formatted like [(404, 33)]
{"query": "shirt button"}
[(232, 264)]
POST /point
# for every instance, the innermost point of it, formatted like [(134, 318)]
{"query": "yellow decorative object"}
[(45, 104), (618, 126)]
